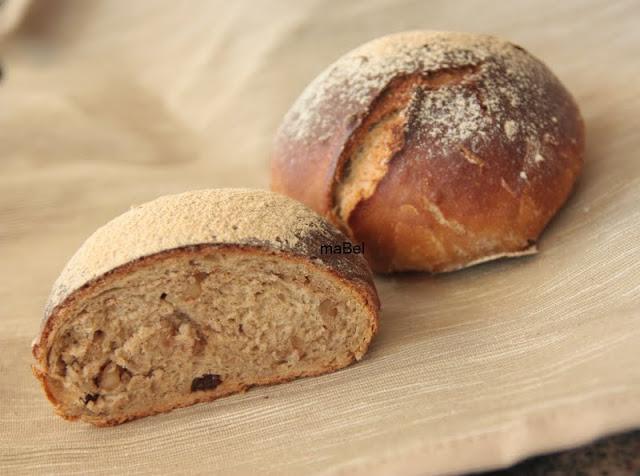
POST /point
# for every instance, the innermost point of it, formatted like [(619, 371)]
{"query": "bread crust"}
[(353, 273), (462, 183)]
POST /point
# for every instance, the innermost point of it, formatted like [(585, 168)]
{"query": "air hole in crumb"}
[(206, 382), (163, 296), (90, 397), (98, 377), (125, 375), (240, 329), (234, 227), (200, 276)]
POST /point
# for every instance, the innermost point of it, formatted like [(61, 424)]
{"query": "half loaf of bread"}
[(195, 296)]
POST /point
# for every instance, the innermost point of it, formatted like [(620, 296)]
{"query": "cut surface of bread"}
[(194, 323)]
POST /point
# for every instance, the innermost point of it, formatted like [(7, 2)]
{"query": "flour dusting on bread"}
[(507, 79)]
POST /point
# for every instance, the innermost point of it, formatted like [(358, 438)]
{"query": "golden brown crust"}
[(352, 271), (491, 147)]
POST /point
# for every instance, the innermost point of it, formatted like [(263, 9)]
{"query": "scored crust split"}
[(437, 150), (195, 296)]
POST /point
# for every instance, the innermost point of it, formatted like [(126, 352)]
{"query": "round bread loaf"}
[(195, 296), (437, 150)]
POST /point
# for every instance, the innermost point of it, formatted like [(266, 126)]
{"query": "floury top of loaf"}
[(364, 72), (195, 296), (213, 216)]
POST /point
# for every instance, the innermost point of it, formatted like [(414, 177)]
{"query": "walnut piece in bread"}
[(438, 150), (195, 296)]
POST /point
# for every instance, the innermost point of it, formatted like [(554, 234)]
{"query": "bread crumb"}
[(523, 175), (538, 158)]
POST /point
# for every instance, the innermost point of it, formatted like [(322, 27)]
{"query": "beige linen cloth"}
[(105, 104)]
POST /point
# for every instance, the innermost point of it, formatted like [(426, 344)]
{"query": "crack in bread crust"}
[(381, 136)]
